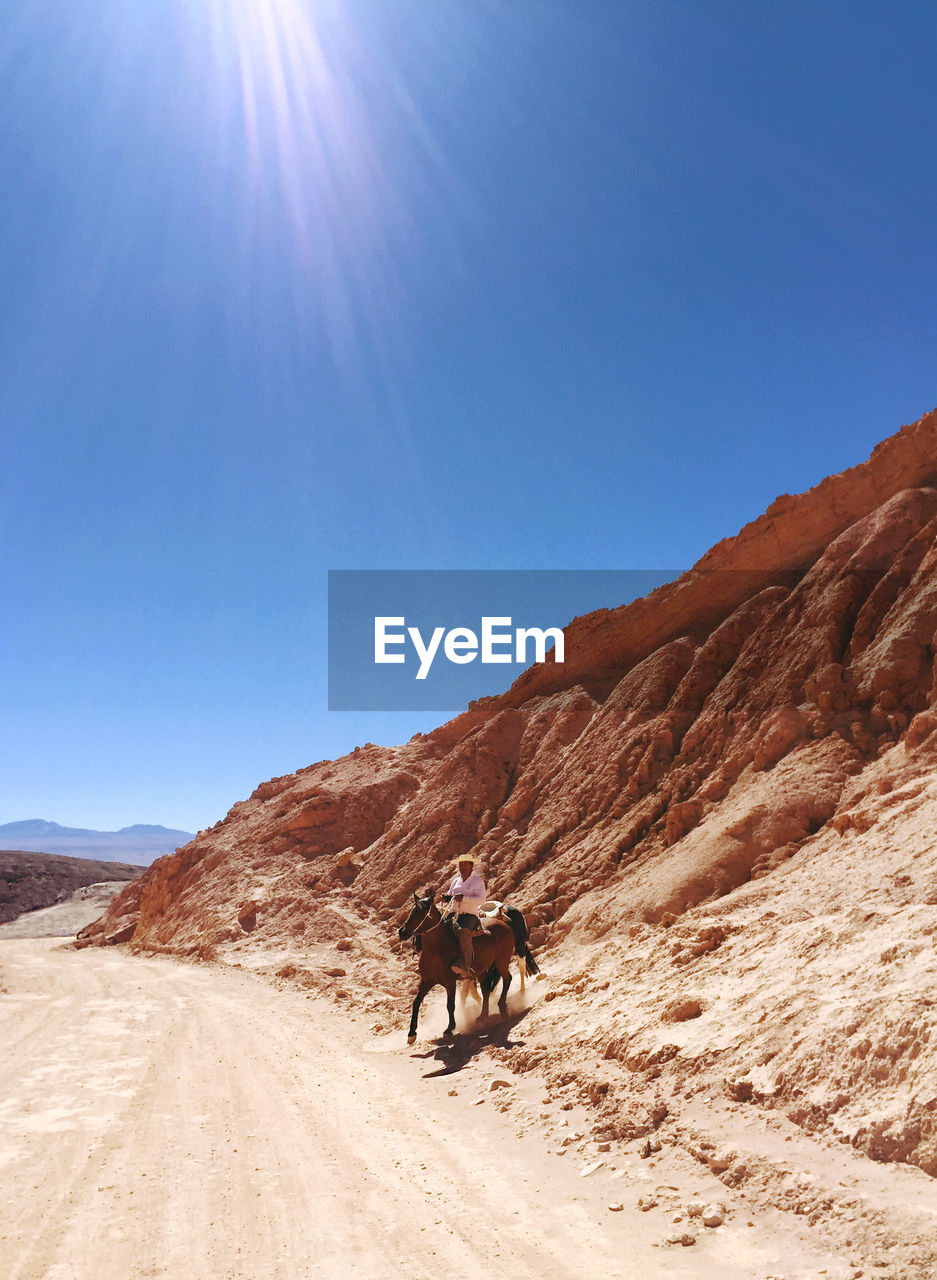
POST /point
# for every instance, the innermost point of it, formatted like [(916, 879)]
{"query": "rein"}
[(422, 930)]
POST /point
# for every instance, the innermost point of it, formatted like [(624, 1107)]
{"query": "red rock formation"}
[(693, 743)]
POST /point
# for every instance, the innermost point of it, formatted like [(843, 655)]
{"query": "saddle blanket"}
[(490, 911)]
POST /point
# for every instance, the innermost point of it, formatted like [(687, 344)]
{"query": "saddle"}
[(490, 912)]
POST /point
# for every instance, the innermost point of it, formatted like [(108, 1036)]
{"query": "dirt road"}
[(164, 1119)]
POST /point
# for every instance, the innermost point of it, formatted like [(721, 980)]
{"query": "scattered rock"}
[(247, 917), (713, 1215), (681, 1011), (121, 935)]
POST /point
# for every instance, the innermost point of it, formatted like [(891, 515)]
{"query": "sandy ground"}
[(165, 1119), (64, 919)]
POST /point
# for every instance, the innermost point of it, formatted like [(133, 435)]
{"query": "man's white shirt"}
[(472, 891)]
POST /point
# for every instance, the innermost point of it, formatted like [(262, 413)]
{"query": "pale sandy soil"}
[(167, 1119), (64, 919)]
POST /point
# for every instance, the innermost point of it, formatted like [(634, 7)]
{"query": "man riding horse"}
[(446, 954), (467, 893)]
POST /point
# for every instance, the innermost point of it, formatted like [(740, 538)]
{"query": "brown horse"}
[(439, 949)]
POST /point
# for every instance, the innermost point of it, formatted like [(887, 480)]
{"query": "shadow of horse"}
[(456, 1054)]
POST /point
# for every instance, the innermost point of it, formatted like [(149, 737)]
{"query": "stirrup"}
[(462, 971)]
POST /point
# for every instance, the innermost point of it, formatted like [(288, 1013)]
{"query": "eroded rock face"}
[(714, 736)]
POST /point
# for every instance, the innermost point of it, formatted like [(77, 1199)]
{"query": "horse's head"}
[(422, 914)]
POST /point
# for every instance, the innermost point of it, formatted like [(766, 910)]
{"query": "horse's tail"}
[(518, 928), (521, 936)]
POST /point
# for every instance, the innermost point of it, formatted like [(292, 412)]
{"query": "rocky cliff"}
[(718, 815)]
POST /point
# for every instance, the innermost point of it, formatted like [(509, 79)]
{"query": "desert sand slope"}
[(160, 1119)]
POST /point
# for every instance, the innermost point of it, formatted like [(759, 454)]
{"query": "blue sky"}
[(292, 285)]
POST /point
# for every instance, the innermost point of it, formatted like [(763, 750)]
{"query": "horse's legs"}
[(522, 970), (450, 1005), (421, 992), (506, 981)]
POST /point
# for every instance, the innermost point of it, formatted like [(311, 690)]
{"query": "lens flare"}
[(323, 122)]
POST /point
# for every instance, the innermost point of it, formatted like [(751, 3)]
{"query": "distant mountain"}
[(145, 829), (38, 827), (139, 844)]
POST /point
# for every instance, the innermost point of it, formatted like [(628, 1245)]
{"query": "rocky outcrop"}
[(699, 746)]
